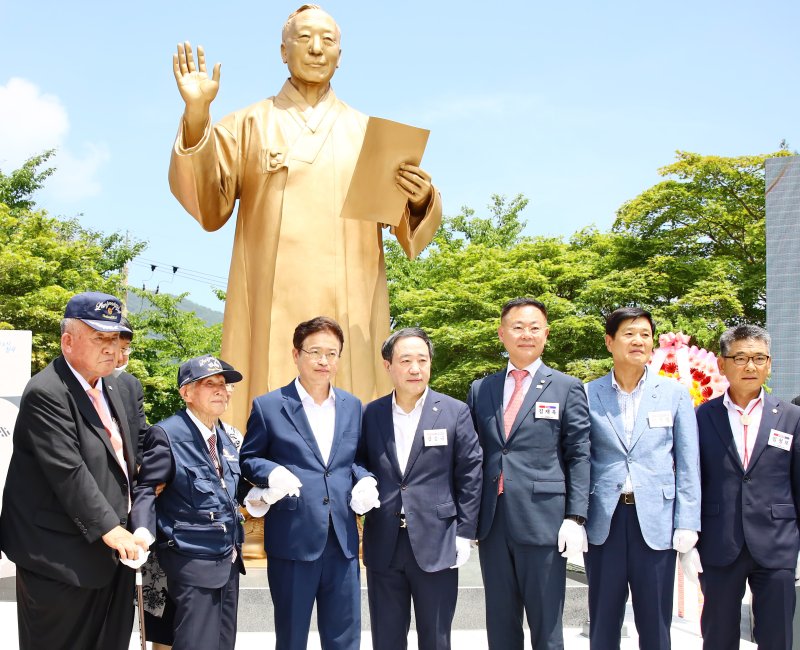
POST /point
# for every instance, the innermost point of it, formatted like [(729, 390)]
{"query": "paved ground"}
[(462, 639)]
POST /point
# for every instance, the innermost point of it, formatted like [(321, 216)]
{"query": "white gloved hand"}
[(690, 563), (284, 482), (258, 500), (143, 534), (797, 571), (684, 540), (463, 549), (572, 538), (364, 496)]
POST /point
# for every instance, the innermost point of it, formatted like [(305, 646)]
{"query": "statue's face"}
[(311, 47)]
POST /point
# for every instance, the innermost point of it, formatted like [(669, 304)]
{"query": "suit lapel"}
[(430, 413), (607, 397), (293, 408), (539, 383), (769, 420), (722, 426), (338, 424), (386, 432), (648, 403), (495, 384)]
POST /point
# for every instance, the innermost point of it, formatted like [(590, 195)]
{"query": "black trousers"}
[(391, 592), (53, 614)]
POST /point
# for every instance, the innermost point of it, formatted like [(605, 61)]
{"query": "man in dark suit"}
[(300, 447), (67, 495), (131, 392), (750, 483), (195, 520), (423, 450), (533, 425)]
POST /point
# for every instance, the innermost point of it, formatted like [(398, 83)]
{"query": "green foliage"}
[(43, 262), (691, 249), (165, 335), (18, 187)]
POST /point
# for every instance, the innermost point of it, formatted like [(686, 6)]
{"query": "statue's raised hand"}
[(194, 84)]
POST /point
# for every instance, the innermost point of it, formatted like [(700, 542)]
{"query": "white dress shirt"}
[(204, 431), (405, 426), (629, 409), (754, 409), (508, 387), (321, 417)]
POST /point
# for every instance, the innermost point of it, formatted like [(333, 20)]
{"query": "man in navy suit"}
[(195, 520), (644, 503), (300, 447), (533, 426), (750, 481), (423, 450)]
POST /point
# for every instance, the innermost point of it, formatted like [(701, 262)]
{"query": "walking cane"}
[(140, 601)]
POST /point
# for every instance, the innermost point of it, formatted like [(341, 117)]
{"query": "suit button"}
[(403, 487), (123, 521), (746, 479), (505, 451), (124, 487), (630, 459), (326, 501), (327, 474)]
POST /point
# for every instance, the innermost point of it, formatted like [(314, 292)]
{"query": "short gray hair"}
[(741, 333), (68, 325), (387, 349)]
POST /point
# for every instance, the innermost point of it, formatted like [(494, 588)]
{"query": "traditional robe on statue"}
[(290, 165)]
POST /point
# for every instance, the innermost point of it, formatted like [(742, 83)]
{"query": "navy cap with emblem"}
[(206, 366), (100, 311)]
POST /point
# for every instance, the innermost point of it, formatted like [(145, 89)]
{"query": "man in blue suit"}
[(422, 448), (300, 446), (644, 500), (195, 520), (533, 425), (750, 470)]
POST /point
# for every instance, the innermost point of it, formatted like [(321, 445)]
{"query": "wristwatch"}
[(577, 519)]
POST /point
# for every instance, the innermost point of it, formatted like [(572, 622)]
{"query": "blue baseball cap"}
[(100, 311), (206, 366)]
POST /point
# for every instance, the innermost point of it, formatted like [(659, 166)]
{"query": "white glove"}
[(463, 549), (572, 538), (690, 563), (797, 571), (258, 500), (284, 482), (364, 496), (684, 540), (143, 534)]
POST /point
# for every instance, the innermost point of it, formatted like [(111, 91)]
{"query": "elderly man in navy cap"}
[(67, 496), (195, 520)]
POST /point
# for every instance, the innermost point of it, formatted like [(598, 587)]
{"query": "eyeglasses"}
[(743, 360), (126, 351), (317, 355), (532, 330)]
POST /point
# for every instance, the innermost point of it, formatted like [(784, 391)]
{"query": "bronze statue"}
[(288, 160)]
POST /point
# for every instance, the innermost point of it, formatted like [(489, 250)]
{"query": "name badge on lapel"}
[(780, 439), (546, 410), (659, 419), (435, 437)]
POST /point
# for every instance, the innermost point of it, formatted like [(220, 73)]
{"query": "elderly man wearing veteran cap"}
[(67, 495), (195, 520)]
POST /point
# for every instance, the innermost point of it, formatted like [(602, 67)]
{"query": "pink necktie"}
[(113, 433), (512, 408), (745, 418)]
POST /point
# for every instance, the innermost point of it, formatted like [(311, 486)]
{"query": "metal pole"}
[(140, 602)]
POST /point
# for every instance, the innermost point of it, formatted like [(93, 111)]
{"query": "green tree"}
[(17, 188)]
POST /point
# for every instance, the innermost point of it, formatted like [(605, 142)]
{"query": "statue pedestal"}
[(253, 547)]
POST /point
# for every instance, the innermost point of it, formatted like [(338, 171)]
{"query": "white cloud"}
[(32, 121)]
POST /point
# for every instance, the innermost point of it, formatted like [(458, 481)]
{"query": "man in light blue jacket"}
[(644, 500)]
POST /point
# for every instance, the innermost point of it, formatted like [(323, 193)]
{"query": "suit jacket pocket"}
[(287, 503), (668, 491), (446, 510), (549, 487), (709, 509), (783, 511), (57, 521)]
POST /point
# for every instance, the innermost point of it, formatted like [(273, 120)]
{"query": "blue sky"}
[(575, 105)]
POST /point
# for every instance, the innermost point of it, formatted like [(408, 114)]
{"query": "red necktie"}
[(512, 408)]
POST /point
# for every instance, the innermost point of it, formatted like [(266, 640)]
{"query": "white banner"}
[(15, 371)]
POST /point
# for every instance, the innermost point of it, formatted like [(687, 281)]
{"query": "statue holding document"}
[(289, 161)]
